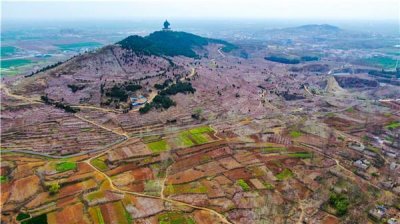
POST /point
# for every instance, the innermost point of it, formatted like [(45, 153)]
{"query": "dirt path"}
[(23, 98), (219, 51), (163, 182), (306, 89), (95, 108), (301, 217), (34, 100)]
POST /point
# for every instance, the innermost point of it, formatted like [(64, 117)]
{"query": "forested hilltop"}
[(170, 43)]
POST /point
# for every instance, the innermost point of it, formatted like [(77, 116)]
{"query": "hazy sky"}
[(227, 9)]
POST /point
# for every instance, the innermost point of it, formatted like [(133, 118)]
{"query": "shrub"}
[(163, 101), (22, 216), (75, 88), (117, 92), (339, 202), (282, 60), (179, 87), (164, 85), (133, 87), (54, 188), (42, 219), (3, 179), (146, 108), (295, 134)]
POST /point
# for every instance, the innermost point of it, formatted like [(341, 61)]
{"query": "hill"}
[(170, 43)]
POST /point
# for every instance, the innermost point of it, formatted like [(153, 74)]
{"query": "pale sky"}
[(211, 9)]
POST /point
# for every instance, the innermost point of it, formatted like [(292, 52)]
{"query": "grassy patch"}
[(99, 164), (174, 218), (152, 187), (65, 166), (330, 114), (8, 51), (393, 125), (285, 174), (3, 179), (295, 134), (269, 186), (301, 155), (243, 185), (41, 219), (158, 146), (350, 109)]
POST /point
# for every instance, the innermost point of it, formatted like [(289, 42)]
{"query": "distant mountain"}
[(170, 43), (316, 27), (310, 28)]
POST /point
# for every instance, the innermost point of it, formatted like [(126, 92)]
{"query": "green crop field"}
[(158, 146), (194, 136), (199, 138), (200, 130), (77, 46), (8, 63), (383, 62), (184, 139)]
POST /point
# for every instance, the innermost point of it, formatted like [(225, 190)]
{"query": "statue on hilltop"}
[(166, 25)]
